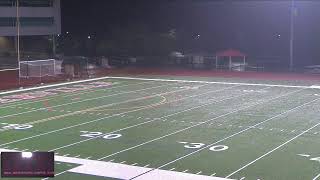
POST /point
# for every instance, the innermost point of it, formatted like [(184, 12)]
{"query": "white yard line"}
[(190, 127), (85, 100), (89, 139), (235, 134), (96, 120), (315, 178), (271, 151), (14, 104)]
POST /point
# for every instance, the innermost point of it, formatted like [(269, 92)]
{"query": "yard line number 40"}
[(99, 135), (215, 148)]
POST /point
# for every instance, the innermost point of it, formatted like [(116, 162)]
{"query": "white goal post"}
[(37, 68)]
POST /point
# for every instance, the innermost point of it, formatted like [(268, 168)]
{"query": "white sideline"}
[(52, 85), (271, 151), (13, 69), (122, 171), (152, 79), (217, 82)]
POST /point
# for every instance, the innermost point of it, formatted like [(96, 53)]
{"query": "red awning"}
[(230, 53)]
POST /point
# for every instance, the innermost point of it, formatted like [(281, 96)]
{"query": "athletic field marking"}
[(67, 95), (150, 79), (86, 110), (134, 164), (271, 151), (185, 170), (315, 178), (85, 100), (147, 165), (228, 137), (217, 82), (53, 85), (304, 155), (199, 172), (56, 175), (147, 106), (72, 144), (189, 127), (10, 69), (96, 120), (213, 174), (172, 169)]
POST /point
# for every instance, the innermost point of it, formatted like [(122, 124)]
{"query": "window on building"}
[(27, 3), (36, 21), (27, 21), (36, 3), (7, 21), (7, 2)]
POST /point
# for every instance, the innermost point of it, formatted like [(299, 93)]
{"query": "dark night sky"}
[(250, 25)]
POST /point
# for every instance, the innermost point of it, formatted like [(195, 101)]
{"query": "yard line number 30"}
[(215, 148)]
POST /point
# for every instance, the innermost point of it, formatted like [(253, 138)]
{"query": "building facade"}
[(35, 17)]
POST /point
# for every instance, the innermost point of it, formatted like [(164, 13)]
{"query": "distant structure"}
[(34, 17)]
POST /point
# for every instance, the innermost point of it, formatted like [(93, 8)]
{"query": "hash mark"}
[(304, 155), (213, 174), (77, 156), (185, 170), (172, 169), (134, 164), (146, 165), (242, 178), (181, 142), (111, 160), (199, 172)]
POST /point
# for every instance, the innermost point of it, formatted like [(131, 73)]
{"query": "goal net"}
[(37, 68)]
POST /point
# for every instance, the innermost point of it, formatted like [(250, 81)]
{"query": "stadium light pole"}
[(291, 34), (18, 37)]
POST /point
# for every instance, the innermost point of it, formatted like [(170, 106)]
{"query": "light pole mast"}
[(291, 34), (18, 37)]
